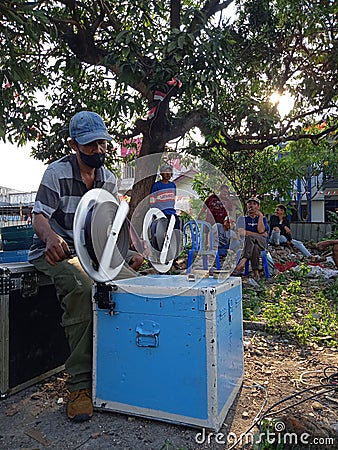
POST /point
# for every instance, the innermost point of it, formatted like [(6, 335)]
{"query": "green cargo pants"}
[(74, 291)]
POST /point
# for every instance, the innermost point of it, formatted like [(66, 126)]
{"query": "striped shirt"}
[(163, 197), (59, 194)]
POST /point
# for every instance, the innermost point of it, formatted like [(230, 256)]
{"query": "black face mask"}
[(96, 160)]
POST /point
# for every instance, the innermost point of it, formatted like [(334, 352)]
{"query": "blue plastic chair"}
[(196, 230), (265, 263)]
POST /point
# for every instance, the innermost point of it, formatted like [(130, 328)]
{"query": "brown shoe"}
[(80, 406)]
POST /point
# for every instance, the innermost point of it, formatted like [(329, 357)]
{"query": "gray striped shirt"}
[(59, 194)]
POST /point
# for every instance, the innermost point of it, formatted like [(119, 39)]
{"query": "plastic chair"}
[(265, 263), (197, 230)]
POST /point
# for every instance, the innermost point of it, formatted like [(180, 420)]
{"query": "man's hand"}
[(146, 249), (56, 249)]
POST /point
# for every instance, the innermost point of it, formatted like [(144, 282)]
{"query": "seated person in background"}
[(281, 233), (225, 236), (334, 242), (216, 206), (254, 229)]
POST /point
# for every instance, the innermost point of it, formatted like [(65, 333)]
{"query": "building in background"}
[(15, 206)]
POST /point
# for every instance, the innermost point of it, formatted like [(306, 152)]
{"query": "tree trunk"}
[(146, 169)]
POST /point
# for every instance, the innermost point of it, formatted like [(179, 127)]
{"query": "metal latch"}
[(147, 333), (103, 297)]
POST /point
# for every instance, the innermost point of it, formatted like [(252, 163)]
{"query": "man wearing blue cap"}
[(63, 184), (254, 229)]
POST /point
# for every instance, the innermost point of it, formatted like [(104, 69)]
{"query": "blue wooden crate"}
[(169, 349)]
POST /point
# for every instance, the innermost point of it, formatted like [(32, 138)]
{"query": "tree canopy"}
[(160, 70)]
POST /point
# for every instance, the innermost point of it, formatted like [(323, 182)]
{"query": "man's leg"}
[(282, 239), (223, 251), (275, 237), (177, 231), (235, 244), (74, 291), (259, 245), (334, 242), (246, 253), (301, 247), (256, 251), (251, 250), (217, 229), (335, 254)]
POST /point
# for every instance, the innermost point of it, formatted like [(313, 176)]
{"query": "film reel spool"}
[(101, 236), (158, 231)]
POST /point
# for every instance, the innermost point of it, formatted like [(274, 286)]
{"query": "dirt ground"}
[(274, 369)]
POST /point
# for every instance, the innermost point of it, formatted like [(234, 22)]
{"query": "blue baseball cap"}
[(254, 199), (166, 168), (87, 126)]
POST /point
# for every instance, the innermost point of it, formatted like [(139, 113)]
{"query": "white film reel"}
[(101, 236), (163, 244)]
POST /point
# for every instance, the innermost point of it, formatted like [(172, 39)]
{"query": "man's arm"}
[(286, 225), (274, 223), (56, 248), (261, 228), (334, 242), (251, 233), (201, 213), (241, 232), (327, 243)]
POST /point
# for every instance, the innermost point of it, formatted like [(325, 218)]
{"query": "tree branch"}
[(235, 144), (210, 8), (82, 42), (303, 115), (175, 14), (314, 137), (112, 19), (216, 6), (181, 126)]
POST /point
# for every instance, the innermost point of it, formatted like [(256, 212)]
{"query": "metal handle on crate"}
[(147, 334)]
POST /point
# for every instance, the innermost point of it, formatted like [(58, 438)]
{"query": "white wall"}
[(318, 214)]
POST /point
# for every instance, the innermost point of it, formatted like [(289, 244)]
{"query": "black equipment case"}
[(33, 345)]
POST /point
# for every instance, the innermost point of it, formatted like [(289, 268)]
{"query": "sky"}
[(18, 170)]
